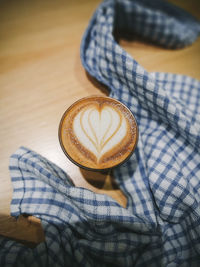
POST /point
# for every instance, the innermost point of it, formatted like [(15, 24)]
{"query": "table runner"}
[(161, 224)]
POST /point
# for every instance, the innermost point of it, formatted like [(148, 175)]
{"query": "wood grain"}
[(41, 75)]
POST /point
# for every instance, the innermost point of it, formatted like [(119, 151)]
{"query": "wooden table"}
[(41, 75)]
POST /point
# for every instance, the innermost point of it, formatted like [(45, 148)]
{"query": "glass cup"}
[(98, 133)]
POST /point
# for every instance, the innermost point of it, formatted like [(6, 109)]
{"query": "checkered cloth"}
[(161, 224)]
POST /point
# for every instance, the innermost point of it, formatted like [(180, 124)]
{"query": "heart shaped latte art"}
[(99, 130)]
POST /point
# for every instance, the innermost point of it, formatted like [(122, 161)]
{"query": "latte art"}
[(98, 132)]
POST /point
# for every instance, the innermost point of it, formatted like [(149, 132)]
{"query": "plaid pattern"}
[(161, 223)]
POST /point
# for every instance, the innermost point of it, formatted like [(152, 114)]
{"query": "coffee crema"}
[(98, 133)]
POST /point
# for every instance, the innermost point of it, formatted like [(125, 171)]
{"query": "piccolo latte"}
[(98, 132)]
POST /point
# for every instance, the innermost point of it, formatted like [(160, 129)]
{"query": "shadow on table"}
[(100, 179), (97, 84), (25, 229)]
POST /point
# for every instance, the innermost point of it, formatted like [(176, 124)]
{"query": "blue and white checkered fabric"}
[(161, 224)]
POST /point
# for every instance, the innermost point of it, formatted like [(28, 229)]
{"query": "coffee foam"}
[(98, 132)]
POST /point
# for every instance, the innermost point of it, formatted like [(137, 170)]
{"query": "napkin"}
[(161, 224)]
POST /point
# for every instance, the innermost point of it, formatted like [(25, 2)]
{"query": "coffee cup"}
[(98, 133)]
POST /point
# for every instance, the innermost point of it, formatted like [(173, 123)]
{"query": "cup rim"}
[(88, 168)]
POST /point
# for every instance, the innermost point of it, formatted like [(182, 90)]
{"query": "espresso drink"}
[(98, 133)]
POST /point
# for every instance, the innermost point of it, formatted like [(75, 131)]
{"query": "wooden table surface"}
[(41, 75)]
